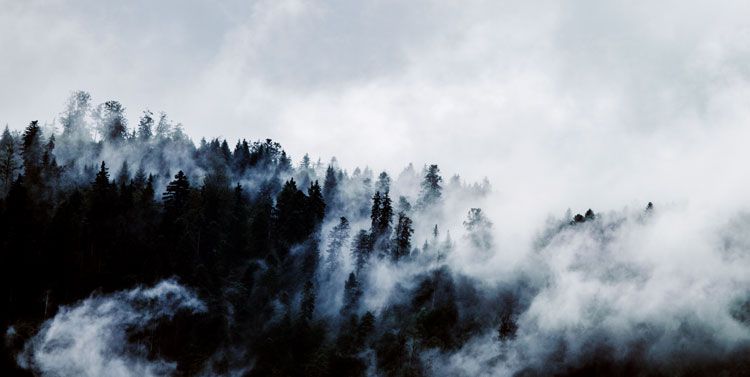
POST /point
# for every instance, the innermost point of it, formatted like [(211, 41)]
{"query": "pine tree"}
[(431, 188), (101, 214), (50, 169), (146, 126), (123, 177), (284, 163), (589, 215), (361, 249), (163, 128), (352, 294), (316, 204), (375, 213), (337, 238), (241, 157), (226, 154), (175, 197), (101, 181), (292, 219), (330, 187), (478, 229), (386, 216), (112, 122), (404, 232), (139, 179), (384, 183), (32, 152), (8, 161), (446, 247), (404, 205)]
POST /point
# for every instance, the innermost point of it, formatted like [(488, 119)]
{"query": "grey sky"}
[(575, 103)]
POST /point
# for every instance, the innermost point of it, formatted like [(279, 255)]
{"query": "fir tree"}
[(293, 223), (337, 238), (8, 161), (404, 232), (384, 183), (386, 217), (316, 204), (175, 197), (431, 188), (330, 187), (375, 213), (361, 249), (478, 229), (123, 176), (32, 152), (112, 122), (146, 126), (352, 294)]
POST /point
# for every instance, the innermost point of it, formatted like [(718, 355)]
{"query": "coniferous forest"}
[(126, 248)]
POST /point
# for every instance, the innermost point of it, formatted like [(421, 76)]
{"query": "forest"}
[(128, 249)]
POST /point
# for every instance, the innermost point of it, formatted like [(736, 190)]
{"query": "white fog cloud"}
[(90, 337)]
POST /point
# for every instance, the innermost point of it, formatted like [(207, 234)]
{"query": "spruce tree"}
[(384, 183), (337, 238), (404, 232), (352, 294), (112, 122), (431, 188), (146, 126), (316, 204), (293, 218), (330, 188), (386, 216), (478, 229), (175, 197), (8, 161), (361, 249), (32, 153), (123, 176), (375, 213)]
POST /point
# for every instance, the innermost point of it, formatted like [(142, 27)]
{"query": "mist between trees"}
[(127, 249)]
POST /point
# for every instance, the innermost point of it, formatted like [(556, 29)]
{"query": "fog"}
[(562, 106), (91, 338)]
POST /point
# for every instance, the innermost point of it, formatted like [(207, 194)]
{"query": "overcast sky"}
[(560, 103)]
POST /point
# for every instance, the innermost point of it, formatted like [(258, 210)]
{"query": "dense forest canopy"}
[(127, 249)]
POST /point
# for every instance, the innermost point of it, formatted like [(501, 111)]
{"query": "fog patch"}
[(90, 338)]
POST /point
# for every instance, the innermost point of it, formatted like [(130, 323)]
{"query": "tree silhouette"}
[(404, 232), (431, 187)]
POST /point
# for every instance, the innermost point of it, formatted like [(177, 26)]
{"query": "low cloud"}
[(90, 338)]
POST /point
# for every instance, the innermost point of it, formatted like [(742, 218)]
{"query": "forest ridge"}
[(160, 257)]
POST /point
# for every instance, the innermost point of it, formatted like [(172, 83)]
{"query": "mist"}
[(631, 115), (89, 339)]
